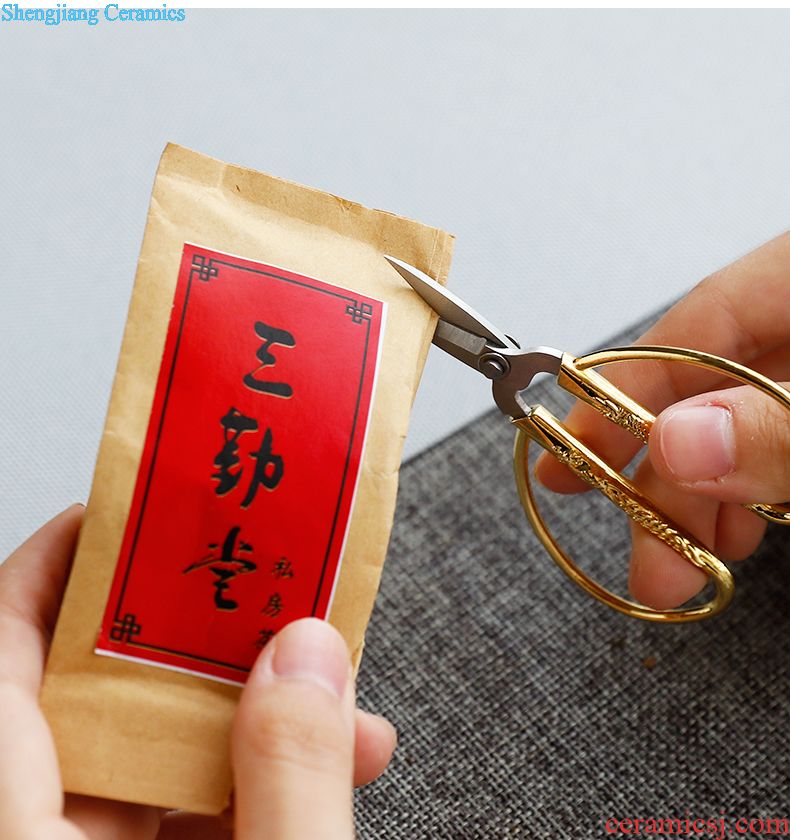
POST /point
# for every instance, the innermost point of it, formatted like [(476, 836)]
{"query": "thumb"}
[(293, 739), (731, 445)]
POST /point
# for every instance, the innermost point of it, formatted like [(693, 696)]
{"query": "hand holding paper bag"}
[(247, 472), (279, 740)]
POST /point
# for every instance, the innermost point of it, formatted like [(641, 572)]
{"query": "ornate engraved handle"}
[(541, 426), (577, 377)]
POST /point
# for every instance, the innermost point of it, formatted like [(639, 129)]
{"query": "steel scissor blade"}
[(449, 307)]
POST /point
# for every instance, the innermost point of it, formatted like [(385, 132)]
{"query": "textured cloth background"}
[(524, 708)]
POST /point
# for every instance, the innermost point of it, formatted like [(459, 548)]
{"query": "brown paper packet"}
[(138, 733)]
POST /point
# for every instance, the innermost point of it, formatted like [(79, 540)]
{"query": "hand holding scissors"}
[(471, 339)]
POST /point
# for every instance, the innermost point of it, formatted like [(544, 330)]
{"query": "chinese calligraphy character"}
[(226, 567), (274, 606), (235, 424), (264, 637), (283, 568), (270, 336), (269, 469), (269, 466)]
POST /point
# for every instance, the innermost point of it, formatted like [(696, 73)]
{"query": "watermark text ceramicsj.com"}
[(718, 828), (62, 13)]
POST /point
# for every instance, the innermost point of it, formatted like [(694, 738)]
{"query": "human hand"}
[(712, 452), (297, 741)]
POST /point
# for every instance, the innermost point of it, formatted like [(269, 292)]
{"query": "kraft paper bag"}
[(247, 472)]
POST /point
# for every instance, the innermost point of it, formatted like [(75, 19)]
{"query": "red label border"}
[(205, 266)]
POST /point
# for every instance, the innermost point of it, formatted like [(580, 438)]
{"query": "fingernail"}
[(314, 651), (697, 442)]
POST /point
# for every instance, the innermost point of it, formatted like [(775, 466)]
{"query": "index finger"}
[(741, 312)]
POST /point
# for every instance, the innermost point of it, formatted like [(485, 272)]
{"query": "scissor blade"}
[(449, 307)]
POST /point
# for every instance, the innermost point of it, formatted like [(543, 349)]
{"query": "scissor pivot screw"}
[(493, 366)]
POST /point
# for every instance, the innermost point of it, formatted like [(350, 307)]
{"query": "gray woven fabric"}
[(524, 708)]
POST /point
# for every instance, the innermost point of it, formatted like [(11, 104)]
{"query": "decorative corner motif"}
[(202, 268), (359, 312), (125, 629)]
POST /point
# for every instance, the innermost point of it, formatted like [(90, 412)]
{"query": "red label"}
[(249, 468)]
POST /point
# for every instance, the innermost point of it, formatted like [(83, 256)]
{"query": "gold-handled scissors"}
[(467, 336)]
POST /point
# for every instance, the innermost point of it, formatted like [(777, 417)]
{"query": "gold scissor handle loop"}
[(778, 514), (543, 427), (577, 377)]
